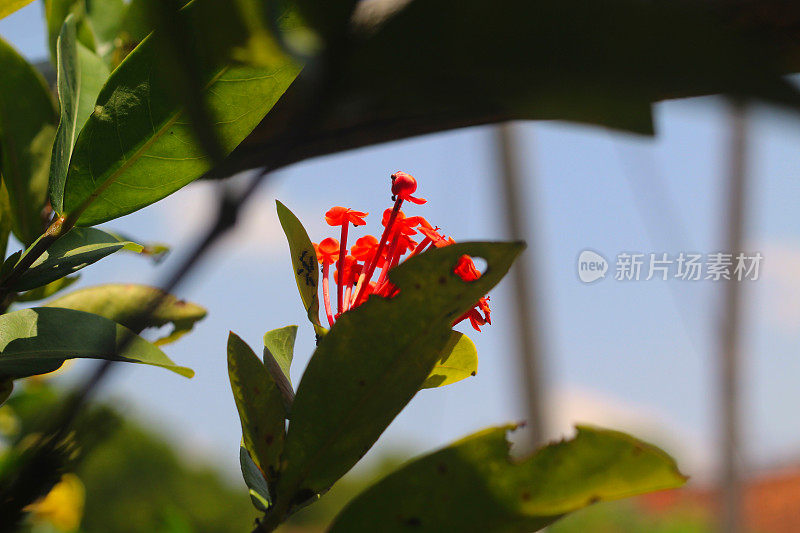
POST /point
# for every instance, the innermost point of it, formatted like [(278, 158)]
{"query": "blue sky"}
[(635, 355)]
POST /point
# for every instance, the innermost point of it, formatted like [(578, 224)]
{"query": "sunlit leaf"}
[(80, 247), (138, 147), (9, 6), (459, 360), (373, 361), (39, 340), (81, 75), (124, 303), (304, 263), (280, 343), (473, 485), (278, 354), (261, 409), (27, 127)]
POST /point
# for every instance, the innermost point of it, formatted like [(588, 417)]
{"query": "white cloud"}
[(257, 233), (571, 406)]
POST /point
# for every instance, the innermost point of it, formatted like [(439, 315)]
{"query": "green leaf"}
[(459, 360), (27, 126), (106, 17), (46, 291), (56, 12), (254, 479), (278, 354), (9, 6), (373, 361), (81, 75), (138, 147), (80, 247), (304, 264), (473, 485), (260, 406), (39, 340), (280, 343), (123, 303)]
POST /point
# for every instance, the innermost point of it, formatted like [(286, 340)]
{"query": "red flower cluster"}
[(354, 272)]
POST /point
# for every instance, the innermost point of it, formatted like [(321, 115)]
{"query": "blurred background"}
[(637, 356)]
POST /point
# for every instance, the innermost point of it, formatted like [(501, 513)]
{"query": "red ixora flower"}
[(354, 272)]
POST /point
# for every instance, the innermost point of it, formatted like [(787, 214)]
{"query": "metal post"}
[(730, 479), (526, 295)]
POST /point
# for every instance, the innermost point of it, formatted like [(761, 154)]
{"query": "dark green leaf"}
[(78, 248), (473, 485), (27, 126), (304, 263), (123, 303), (138, 147), (46, 291), (6, 388), (254, 479), (5, 219), (373, 361), (81, 75), (39, 340), (330, 19), (260, 406), (601, 63), (459, 360)]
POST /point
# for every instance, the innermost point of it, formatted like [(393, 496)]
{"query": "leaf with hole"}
[(124, 302), (39, 340), (473, 485), (373, 361)]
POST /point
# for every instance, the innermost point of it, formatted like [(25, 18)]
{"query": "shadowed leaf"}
[(80, 247), (260, 406), (46, 291), (39, 340), (27, 127)]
